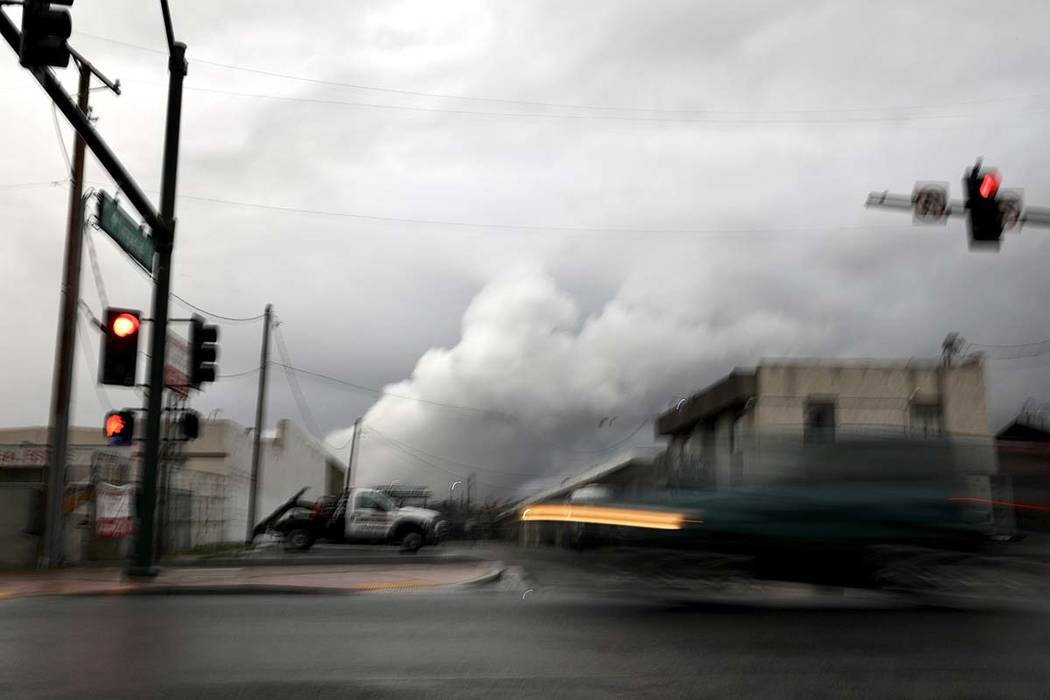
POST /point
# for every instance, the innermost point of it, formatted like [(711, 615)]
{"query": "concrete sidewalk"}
[(256, 579)]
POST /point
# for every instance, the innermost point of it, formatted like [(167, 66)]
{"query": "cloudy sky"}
[(524, 217)]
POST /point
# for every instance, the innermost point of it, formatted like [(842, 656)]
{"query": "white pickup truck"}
[(357, 515)]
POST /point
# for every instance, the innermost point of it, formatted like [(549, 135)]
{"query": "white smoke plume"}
[(534, 389)]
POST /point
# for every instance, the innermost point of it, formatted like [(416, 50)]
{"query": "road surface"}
[(508, 643)]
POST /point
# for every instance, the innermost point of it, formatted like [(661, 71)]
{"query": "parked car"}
[(358, 515)]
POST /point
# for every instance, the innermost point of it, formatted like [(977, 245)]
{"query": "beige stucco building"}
[(749, 427), (204, 490)]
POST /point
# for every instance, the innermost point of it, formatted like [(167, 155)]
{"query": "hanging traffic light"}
[(44, 34), (120, 347), (204, 351), (119, 427), (982, 202)]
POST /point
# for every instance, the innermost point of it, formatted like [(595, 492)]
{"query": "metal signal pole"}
[(142, 563)]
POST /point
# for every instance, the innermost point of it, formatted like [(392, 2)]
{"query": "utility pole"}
[(62, 382), (142, 563), (260, 418), (352, 460)]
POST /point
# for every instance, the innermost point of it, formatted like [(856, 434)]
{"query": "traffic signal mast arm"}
[(1036, 216), (907, 202), (1032, 216), (80, 122)]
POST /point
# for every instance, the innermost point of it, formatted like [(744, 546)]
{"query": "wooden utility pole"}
[(260, 417)]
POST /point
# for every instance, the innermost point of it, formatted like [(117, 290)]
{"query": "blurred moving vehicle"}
[(828, 532), (358, 515)]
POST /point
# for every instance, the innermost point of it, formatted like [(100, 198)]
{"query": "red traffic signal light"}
[(120, 347), (982, 204), (989, 185), (119, 427), (114, 425), (125, 324)]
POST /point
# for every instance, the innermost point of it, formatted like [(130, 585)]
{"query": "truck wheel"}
[(299, 540), (412, 541)]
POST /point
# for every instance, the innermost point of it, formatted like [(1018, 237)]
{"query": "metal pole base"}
[(143, 571)]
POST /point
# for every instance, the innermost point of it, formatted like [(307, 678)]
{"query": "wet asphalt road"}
[(496, 643)]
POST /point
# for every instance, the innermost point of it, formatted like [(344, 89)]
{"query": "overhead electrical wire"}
[(652, 230), (516, 420), (293, 382), (561, 105), (1044, 341), (765, 121), (213, 314), (428, 462), (535, 227), (244, 373), (61, 140), (39, 183), (446, 460), (382, 392), (104, 400)]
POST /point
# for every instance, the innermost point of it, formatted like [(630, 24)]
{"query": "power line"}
[(96, 270), (468, 409), (1020, 356), (104, 400), (428, 462), (558, 105), (190, 305), (293, 382), (213, 314), (244, 373), (764, 121), (382, 392), (836, 228), (39, 183), (61, 139), (95, 322), (534, 227), (447, 460), (1017, 345)]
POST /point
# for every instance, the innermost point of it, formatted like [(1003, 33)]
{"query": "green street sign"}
[(122, 228)]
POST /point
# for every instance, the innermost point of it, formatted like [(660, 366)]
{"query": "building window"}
[(925, 419), (820, 423)]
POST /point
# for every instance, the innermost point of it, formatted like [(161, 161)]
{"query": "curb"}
[(307, 560), (485, 579), (265, 588), (292, 560)]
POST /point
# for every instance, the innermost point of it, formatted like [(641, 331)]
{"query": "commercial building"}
[(750, 427), (791, 421), (203, 486), (1024, 457)]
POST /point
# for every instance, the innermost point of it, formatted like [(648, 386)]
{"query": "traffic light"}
[(204, 350), (982, 201), (119, 427), (190, 425), (44, 34), (120, 347)]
